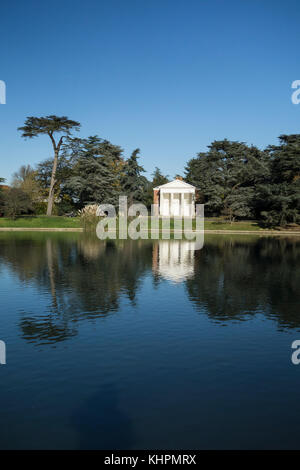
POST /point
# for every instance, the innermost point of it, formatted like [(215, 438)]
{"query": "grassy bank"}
[(220, 225), (40, 222), (55, 222)]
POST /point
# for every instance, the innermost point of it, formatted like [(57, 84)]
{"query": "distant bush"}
[(16, 203), (39, 208)]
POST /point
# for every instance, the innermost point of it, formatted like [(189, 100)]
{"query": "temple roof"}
[(176, 184)]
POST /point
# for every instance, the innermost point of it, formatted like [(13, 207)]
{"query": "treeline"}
[(243, 182), (233, 180), (96, 172), (82, 171)]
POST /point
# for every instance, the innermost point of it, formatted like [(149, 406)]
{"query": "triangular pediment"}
[(176, 184)]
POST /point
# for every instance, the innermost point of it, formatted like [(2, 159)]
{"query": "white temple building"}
[(176, 198)]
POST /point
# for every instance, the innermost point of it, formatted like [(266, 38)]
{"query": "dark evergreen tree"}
[(134, 185), (282, 194), (227, 176), (1, 197), (158, 178), (97, 171)]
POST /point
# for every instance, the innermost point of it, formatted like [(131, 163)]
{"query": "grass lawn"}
[(69, 222), (40, 222), (216, 224)]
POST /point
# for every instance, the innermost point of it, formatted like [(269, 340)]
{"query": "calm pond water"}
[(139, 344)]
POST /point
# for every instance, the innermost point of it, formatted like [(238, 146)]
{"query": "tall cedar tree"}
[(50, 125), (63, 172)]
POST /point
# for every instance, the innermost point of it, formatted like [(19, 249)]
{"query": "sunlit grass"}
[(75, 222), (40, 222)]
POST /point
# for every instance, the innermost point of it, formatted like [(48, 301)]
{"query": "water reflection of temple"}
[(174, 259)]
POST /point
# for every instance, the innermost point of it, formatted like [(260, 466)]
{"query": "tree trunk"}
[(52, 184), (50, 263)]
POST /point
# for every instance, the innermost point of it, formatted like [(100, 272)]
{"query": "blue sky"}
[(165, 76)]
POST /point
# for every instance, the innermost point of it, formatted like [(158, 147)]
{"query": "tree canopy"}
[(227, 177), (158, 178), (282, 193), (234, 180), (50, 125), (97, 171), (133, 184)]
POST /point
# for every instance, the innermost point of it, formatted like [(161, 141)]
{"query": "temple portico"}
[(176, 198)]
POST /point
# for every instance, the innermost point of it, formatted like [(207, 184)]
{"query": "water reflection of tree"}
[(85, 278), (236, 278)]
